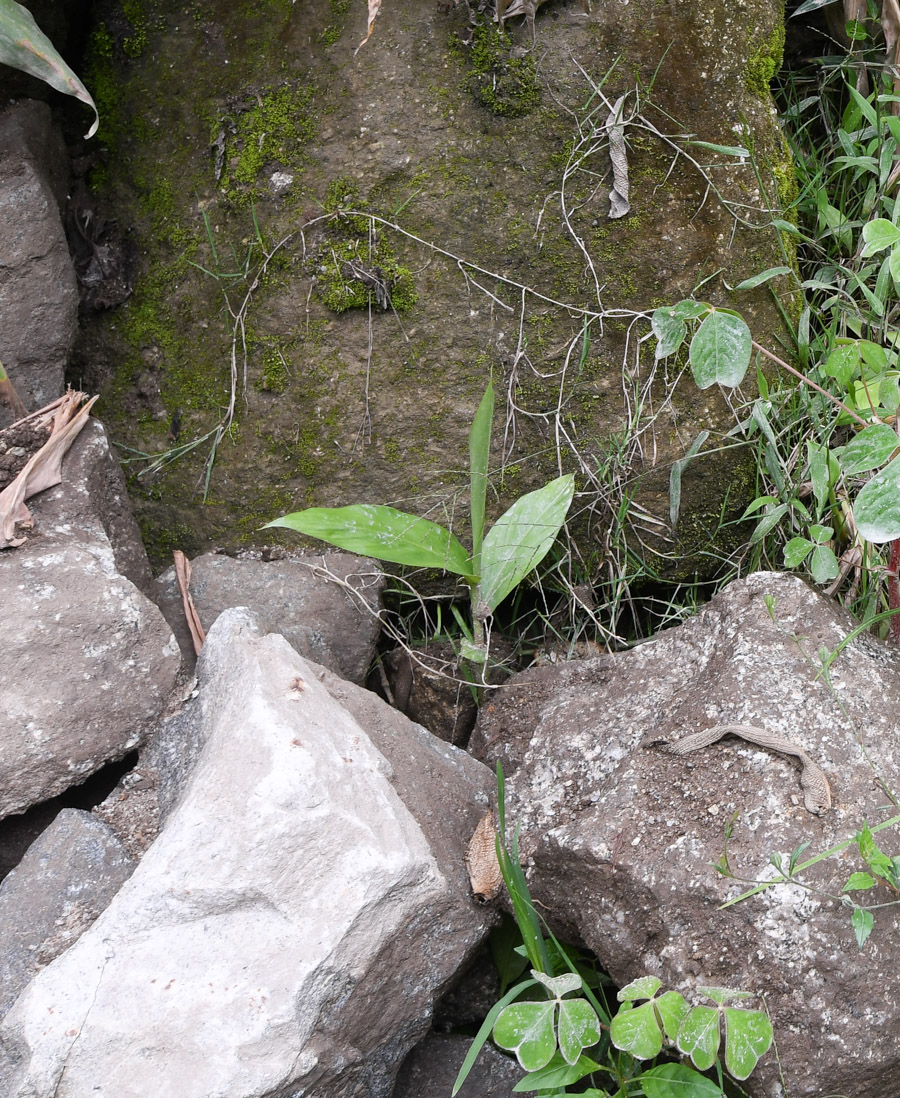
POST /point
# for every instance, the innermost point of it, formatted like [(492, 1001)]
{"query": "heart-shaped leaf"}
[(527, 1030), (578, 1028), (720, 350), (748, 1036), (698, 1036), (637, 1031)]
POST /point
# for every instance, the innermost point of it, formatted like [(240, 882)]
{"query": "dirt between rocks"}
[(18, 443)]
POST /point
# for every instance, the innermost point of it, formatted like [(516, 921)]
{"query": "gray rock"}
[(288, 930), (65, 880), (292, 596), (621, 837), (89, 662), (38, 289), (431, 1069)]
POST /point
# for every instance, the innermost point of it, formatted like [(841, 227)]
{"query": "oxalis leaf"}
[(637, 1031), (720, 351), (23, 45), (748, 1036), (521, 538), (877, 507), (698, 1036), (527, 1030), (382, 532), (578, 1028)]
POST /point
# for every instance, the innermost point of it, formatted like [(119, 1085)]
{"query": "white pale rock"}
[(285, 933)]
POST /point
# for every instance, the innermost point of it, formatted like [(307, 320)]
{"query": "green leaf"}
[(690, 310), (645, 987), (520, 539), (698, 1036), (823, 565), (637, 1031), (843, 362), (722, 995), (578, 1027), (677, 469), (487, 1025), (796, 551), (508, 961), (720, 351), (768, 523), (559, 985), (382, 532), (479, 457), (557, 1074), (527, 1030), (672, 1009), (859, 882), (894, 267), (862, 922), (677, 1081), (748, 1037), (763, 276), (811, 5), (878, 235), (25, 46), (869, 449), (726, 150), (669, 330), (877, 507), (817, 455)]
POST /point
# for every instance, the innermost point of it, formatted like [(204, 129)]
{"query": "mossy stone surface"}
[(238, 131)]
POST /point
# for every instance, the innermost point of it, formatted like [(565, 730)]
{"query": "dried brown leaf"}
[(183, 578), (374, 7), (481, 860)]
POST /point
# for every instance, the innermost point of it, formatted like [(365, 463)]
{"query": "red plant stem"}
[(894, 589)]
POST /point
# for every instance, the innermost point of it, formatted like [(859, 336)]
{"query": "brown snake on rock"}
[(816, 791)]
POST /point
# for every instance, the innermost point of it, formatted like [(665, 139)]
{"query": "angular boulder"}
[(622, 837), (288, 930), (38, 287), (89, 661)]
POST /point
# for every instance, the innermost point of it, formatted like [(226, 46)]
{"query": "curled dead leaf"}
[(183, 578), (481, 860)]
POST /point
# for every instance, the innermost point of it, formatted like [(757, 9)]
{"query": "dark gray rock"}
[(621, 838), (302, 596), (38, 290), (431, 1069), (68, 876), (89, 662)]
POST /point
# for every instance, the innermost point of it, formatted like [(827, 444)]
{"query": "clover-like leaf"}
[(527, 1030), (698, 1036), (748, 1036), (645, 987), (559, 985), (579, 1028), (637, 1030), (672, 1009)]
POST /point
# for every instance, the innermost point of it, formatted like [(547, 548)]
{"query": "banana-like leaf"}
[(23, 45), (382, 532)]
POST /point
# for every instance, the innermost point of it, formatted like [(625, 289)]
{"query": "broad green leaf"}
[(479, 456), (862, 922), (557, 1074), (559, 985), (817, 456), (720, 351), (763, 276), (578, 1027), (527, 1030), (748, 1037), (690, 310), (23, 45), (877, 507), (871, 448), (878, 235), (644, 987), (672, 1009), (521, 538), (698, 1036), (894, 267), (823, 565), (843, 362), (821, 533), (859, 882), (677, 1081), (637, 1031), (469, 650), (768, 523), (382, 532), (873, 354), (669, 330), (796, 551)]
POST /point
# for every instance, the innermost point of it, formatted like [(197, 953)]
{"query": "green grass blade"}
[(485, 1031), (479, 457)]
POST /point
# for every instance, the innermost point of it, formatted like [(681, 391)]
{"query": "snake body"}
[(816, 791)]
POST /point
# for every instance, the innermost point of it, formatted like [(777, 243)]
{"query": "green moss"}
[(276, 129), (506, 85), (275, 374), (341, 289), (764, 62)]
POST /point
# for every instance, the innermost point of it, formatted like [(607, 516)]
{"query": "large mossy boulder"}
[(337, 249)]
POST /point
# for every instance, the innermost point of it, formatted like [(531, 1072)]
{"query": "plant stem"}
[(812, 384)]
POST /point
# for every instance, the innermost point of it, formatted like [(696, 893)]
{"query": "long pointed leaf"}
[(520, 539), (479, 456), (382, 532), (23, 45)]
